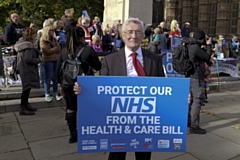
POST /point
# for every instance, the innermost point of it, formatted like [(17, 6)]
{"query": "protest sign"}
[(226, 65), (176, 41), (128, 114)]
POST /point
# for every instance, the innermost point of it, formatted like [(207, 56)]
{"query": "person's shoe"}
[(197, 130), (48, 98), (73, 137), (30, 108), (58, 98), (24, 111), (205, 101)]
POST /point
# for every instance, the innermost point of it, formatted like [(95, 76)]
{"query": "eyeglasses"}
[(51, 30), (130, 32)]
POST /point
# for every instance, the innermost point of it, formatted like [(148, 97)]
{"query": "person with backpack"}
[(198, 56), (81, 58)]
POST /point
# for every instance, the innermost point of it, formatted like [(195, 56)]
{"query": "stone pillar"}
[(115, 11), (170, 10), (120, 10)]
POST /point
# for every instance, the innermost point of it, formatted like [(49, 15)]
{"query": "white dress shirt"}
[(129, 64)]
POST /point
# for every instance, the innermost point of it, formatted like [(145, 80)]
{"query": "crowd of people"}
[(41, 53)]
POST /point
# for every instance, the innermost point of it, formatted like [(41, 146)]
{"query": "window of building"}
[(158, 12), (233, 18), (195, 13), (212, 19)]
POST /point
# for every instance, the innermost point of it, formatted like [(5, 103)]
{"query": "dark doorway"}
[(157, 12)]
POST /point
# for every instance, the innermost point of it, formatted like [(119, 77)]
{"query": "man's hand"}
[(209, 41), (31, 24), (77, 89)]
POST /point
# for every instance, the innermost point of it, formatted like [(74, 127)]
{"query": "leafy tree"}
[(39, 10)]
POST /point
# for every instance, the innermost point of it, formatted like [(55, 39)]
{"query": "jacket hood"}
[(22, 45)]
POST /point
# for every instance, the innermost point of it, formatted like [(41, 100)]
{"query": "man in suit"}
[(121, 64)]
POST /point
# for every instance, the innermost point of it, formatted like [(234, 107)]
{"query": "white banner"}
[(226, 65)]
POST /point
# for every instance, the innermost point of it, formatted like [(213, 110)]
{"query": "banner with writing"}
[(226, 65), (128, 114), (176, 41)]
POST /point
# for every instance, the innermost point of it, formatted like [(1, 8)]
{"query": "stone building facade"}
[(213, 16)]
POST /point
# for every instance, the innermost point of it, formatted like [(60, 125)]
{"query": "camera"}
[(214, 41)]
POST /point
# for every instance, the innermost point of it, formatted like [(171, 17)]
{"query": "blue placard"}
[(176, 41), (128, 114), (167, 62)]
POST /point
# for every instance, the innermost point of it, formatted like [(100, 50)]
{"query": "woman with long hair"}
[(51, 49), (75, 39), (28, 60)]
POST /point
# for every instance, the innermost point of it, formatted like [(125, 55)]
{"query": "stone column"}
[(115, 11), (170, 10)]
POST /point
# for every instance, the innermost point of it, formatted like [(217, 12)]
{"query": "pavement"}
[(44, 136)]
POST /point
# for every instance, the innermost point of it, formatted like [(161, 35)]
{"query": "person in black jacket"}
[(75, 38), (107, 41), (234, 47), (14, 30), (197, 85), (148, 32), (186, 30)]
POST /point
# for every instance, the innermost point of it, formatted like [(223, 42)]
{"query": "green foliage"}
[(39, 10)]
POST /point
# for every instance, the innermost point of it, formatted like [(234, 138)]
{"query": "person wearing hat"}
[(186, 30), (197, 85)]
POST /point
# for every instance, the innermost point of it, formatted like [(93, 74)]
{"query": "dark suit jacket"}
[(115, 64)]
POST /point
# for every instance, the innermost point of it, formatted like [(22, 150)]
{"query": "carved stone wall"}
[(213, 16)]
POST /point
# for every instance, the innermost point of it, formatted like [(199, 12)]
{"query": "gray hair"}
[(47, 22), (157, 30), (132, 20)]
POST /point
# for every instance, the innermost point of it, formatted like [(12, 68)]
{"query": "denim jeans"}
[(50, 74), (41, 73)]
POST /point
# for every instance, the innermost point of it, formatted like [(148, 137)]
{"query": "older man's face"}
[(133, 36), (235, 38), (15, 18)]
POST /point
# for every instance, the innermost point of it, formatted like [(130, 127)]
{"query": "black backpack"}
[(71, 68), (181, 62)]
